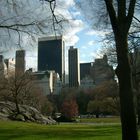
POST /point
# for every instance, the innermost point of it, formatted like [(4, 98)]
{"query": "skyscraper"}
[(51, 55), (74, 69), (20, 62), (85, 70)]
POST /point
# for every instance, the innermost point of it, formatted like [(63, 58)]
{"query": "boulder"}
[(19, 117), (27, 113), (3, 116)]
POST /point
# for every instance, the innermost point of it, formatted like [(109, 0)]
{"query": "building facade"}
[(85, 70), (101, 71), (74, 68), (20, 62), (47, 81), (51, 55), (41, 81), (3, 68), (87, 83), (10, 64)]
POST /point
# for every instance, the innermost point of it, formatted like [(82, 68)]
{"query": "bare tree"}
[(25, 20), (133, 44), (121, 22), (121, 14), (16, 89), (21, 89)]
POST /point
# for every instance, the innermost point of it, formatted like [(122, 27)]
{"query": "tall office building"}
[(51, 55), (74, 68), (85, 70), (20, 62)]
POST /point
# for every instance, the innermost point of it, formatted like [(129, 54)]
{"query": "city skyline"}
[(76, 33)]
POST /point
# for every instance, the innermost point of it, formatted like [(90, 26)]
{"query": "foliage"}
[(95, 107), (105, 97), (82, 99), (47, 108), (69, 108), (107, 93), (58, 100)]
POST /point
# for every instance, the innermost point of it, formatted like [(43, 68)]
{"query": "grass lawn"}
[(30, 131), (100, 120)]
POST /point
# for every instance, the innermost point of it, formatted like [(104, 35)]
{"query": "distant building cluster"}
[(7, 67), (50, 75), (95, 73)]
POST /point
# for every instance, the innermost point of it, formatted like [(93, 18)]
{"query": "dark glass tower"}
[(51, 55), (74, 69), (85, 70)]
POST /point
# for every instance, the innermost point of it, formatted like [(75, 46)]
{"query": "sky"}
[(80, 35), (77, 33)]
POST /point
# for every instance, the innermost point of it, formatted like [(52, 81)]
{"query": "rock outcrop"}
[(27, 114)]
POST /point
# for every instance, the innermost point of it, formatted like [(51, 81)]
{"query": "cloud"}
[(97, 33), (70, 34), (95, 54), (75, 14), (66, 3), (37, 11), (31, 60), (71, 40), (91, 43)]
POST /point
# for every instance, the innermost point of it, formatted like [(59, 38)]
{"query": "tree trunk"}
[(138, 107), (17, 106), (123, 71)]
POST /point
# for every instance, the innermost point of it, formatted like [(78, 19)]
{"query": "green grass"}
[(101, 120), (30, 131)]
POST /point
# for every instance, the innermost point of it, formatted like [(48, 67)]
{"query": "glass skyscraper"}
[(74, 68), (51, 55)]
